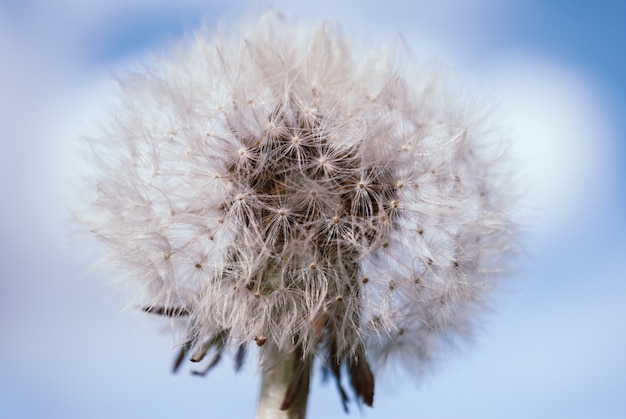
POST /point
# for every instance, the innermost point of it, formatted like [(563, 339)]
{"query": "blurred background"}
[(554, 345)]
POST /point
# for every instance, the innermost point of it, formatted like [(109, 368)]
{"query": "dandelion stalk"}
[(285, 388), (279, 188)]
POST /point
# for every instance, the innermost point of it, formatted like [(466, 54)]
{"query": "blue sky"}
[(554, 345)]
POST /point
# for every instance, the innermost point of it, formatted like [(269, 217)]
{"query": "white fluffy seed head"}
[(306, 194)]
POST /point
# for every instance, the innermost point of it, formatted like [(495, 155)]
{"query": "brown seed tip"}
[(260, 340)]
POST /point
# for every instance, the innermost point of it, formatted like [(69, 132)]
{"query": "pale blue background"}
[(554, 345)]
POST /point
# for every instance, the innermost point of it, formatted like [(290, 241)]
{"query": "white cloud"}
[(563, 136)]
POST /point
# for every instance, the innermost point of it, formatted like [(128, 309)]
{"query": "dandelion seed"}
[(288, 230)]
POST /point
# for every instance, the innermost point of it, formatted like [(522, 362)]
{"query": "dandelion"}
[(279, 189)]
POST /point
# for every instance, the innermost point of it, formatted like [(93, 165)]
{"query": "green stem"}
[(275, 381)]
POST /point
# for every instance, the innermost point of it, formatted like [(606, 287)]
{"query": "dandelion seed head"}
[(326, 200)]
